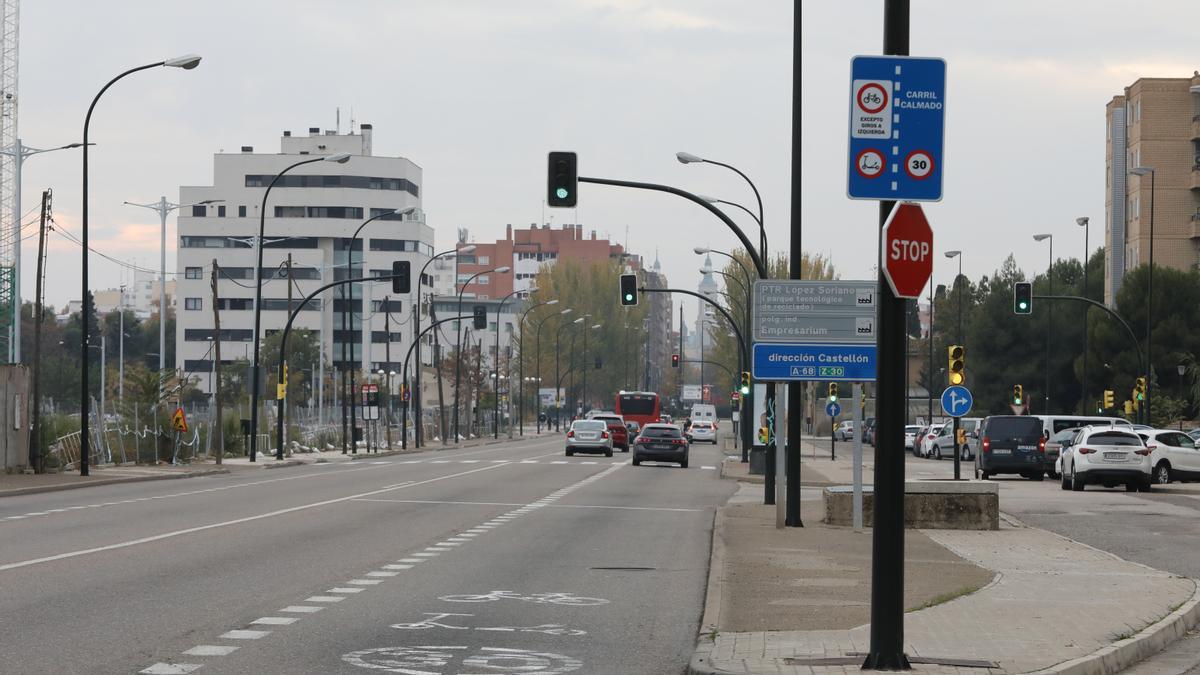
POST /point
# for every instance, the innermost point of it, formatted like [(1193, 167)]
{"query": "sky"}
[(477, 91)]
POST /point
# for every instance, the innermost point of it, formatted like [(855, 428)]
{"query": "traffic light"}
[(480, 317), (1023, 297), (629, 289), (401, 273), (956, 371), (674, 360), (745, 388), (1018, 394), (1108, 399), (563, 174), (1139, 390), (285, 374), (1128, 407), (833, 392)]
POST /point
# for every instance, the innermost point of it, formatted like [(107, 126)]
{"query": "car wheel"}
[(1066, 484), (1077, 482), (1162, 473), (570, 453), (608, 453), (937, 453), (985, 475), (683, 464), (1131, 487), (1039, 476), (636, 461)]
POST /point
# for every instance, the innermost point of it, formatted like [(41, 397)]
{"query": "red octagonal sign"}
[(907, 250)]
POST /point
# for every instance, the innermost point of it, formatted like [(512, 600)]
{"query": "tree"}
[(303, 352)]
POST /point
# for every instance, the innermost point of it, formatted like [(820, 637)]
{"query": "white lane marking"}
[(529, 461), (426, 555), (171, 668), (560, 461), (236, 521), (710, 468), (14, 517), (593, 463), (499, 522), (459, 539), (411, 560), (450, 543), (382, 574), (37, 513), (439, 548), (468, 461), (397, 567), (211, 650), (341, 589), (301, 609), (440, 461), (365, 582), (381, 462), (245, 635), (324, 598), (275, 621), (499, 461)]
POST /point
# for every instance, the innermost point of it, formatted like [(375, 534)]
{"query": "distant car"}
[(944, 444), (925, 441), (868, 430), (705, 412), (661, 443), (1173, 456), (633, 428), (589, 436), (910, 435), (702, 431), (1194, 434), (1106, 455), (616, 427), (1011, 444), (1054, 444), (665, 419), (844, 430)]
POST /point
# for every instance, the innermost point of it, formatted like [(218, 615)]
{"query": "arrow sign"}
[(833, 409), (957, 401), (907, 249)]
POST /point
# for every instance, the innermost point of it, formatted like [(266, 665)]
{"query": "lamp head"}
[(579, 320), (552, 302), (567, 311), (687, 158), (469, 248), (1141, 170), (951, 254), (340, 158), (1082, 221), (187, 62), (1041, 237), (700, 250), (502, 270), (598, 325), (710, 200)]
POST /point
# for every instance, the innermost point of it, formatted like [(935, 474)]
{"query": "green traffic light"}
[(1023, 305), (628, 297), (562, 193), (745, 390)]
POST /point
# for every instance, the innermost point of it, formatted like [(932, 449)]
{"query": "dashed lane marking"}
[(211, 650), (245, 635), (171, 668)]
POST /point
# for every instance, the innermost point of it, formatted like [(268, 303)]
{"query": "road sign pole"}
[(832, 439), (857, 463), (957, 453), (886, 651)]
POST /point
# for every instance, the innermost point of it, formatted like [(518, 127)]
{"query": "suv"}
[(1107, 455), (1011, 444), (616, 427)]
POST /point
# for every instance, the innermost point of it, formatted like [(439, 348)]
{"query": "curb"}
[(106, 481), (1120, 655), (698, 665)]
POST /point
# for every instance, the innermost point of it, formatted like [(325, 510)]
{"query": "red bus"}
[(638, 406)]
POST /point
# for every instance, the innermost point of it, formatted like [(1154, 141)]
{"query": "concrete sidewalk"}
[(1015, 600), (108, 474)]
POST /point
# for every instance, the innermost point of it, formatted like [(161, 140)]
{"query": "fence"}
[(65, 449)]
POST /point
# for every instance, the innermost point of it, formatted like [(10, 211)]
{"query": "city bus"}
[(638, 406)]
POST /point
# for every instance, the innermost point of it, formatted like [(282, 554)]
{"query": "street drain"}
[(625, 569)]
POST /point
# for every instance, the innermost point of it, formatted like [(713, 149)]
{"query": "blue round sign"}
[(833, 409), (957, 401)]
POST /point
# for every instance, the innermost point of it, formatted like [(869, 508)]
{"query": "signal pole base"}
[(887, 662)]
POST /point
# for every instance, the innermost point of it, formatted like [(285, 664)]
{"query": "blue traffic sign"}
[(833, 409), (897, 128), (957, 401), (804, 362)]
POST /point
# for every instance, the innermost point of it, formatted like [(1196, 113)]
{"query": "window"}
[(467, 259), (393, 306), (221, 211), (213, 242), (463, 276), (193, 303), (241, 212), (356, 182), (482, 280), (394, 245), (484, 260), (192, 272), (199, 210), (289, 211)]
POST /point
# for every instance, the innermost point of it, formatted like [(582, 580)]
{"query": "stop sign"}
[(907, 250)]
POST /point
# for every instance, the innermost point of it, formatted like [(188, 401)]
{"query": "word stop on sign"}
[(909, 249)]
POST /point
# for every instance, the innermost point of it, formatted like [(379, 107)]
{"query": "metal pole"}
[(163, 210), (1086, 310), (1050, 281), (886, 651), (857, 503), (18, 160), (1149, 309), (795, 390), (120, 348)]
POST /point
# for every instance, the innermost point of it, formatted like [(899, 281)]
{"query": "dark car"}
[(660, 443), (868, 431), (616, 427), (1011, 444)]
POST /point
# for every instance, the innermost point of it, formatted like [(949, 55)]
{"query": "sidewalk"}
[(1015, 600), (108, 474)]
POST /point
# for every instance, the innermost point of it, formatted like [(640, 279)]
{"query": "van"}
[(704, 412), (1011, 444), (1052, 424)]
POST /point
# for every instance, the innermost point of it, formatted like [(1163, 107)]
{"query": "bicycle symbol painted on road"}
[(536, 598), (437, 617), (424, 659)]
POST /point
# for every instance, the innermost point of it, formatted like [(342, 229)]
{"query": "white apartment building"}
[(312, 213)]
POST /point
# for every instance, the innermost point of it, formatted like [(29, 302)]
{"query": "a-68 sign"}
[(907, 250)]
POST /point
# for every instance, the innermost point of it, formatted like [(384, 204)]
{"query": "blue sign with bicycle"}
[(897, 128), (833, 409), (957, 401)]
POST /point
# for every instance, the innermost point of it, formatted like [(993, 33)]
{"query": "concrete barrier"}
[(928, 504)]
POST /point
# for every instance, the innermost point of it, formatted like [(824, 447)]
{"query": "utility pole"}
[(345, 363), (437, 367), (35, 442), (121, 348), (218, 425), (387, 350), (283, 401)]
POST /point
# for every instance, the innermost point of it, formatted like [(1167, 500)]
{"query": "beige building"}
[(1154, 124)]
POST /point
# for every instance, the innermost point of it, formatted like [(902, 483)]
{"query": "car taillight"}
[(603, 434), (680, 441), (1086, 451), (1042, 445), (571, 434), (987, 444), (1142, 451)]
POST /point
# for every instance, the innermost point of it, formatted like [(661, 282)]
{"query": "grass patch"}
[(944, 598)]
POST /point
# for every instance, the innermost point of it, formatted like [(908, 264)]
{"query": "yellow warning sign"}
[(178, 421)]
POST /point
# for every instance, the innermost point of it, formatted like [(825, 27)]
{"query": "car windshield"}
[(911, 429), (1064, 435), (1114, 438), (1014, 427), (608, 419), (588, 425), (664, 431)]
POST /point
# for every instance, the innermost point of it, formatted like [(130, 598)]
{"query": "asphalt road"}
[(512, 558)]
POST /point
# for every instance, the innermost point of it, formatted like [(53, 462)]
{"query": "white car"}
[(844, 430), (1107, 455), (910, 434), (925, 447), (703, 431), (1173, 455)]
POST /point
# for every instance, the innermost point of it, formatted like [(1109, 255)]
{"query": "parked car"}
[(616, 427), (926, 440), (589, 436), (661, 443), (1054, 445), (1011, 444), (910, 435), (868, 427), (702, 431), (1173, 456), (665, 419), (1052, 424), (944, 444), (844, 431), (1108, 455)]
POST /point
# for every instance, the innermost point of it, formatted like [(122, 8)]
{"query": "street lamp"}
[(1050, 283), (496, 365), (1083, 222), (586, 353), (538, 366), (521, 363), (419, 436), (458, 349), (958, 254), (1142, 171), (689, 158), (186, 62), (255, 375), (558, 370)]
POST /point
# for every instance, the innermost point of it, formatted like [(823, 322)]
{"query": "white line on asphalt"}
[(345, 590), (710, 468), (275, 621), (397, 567), (365, 582), (299, 609), (245, 635), (210, 650), (411, 560), (377, 573), (500, 520), (236, 521), (324, 598), (171, 669)]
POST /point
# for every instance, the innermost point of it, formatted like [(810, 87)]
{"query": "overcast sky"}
[(477, 91)]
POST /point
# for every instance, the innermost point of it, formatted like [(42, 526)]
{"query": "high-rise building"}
[(313, 212), (1154, 124), (661, 319)]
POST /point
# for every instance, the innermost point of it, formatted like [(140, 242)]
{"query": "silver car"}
[(589, 436)]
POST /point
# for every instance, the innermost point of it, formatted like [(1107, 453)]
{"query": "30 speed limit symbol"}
[(918, 165)]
